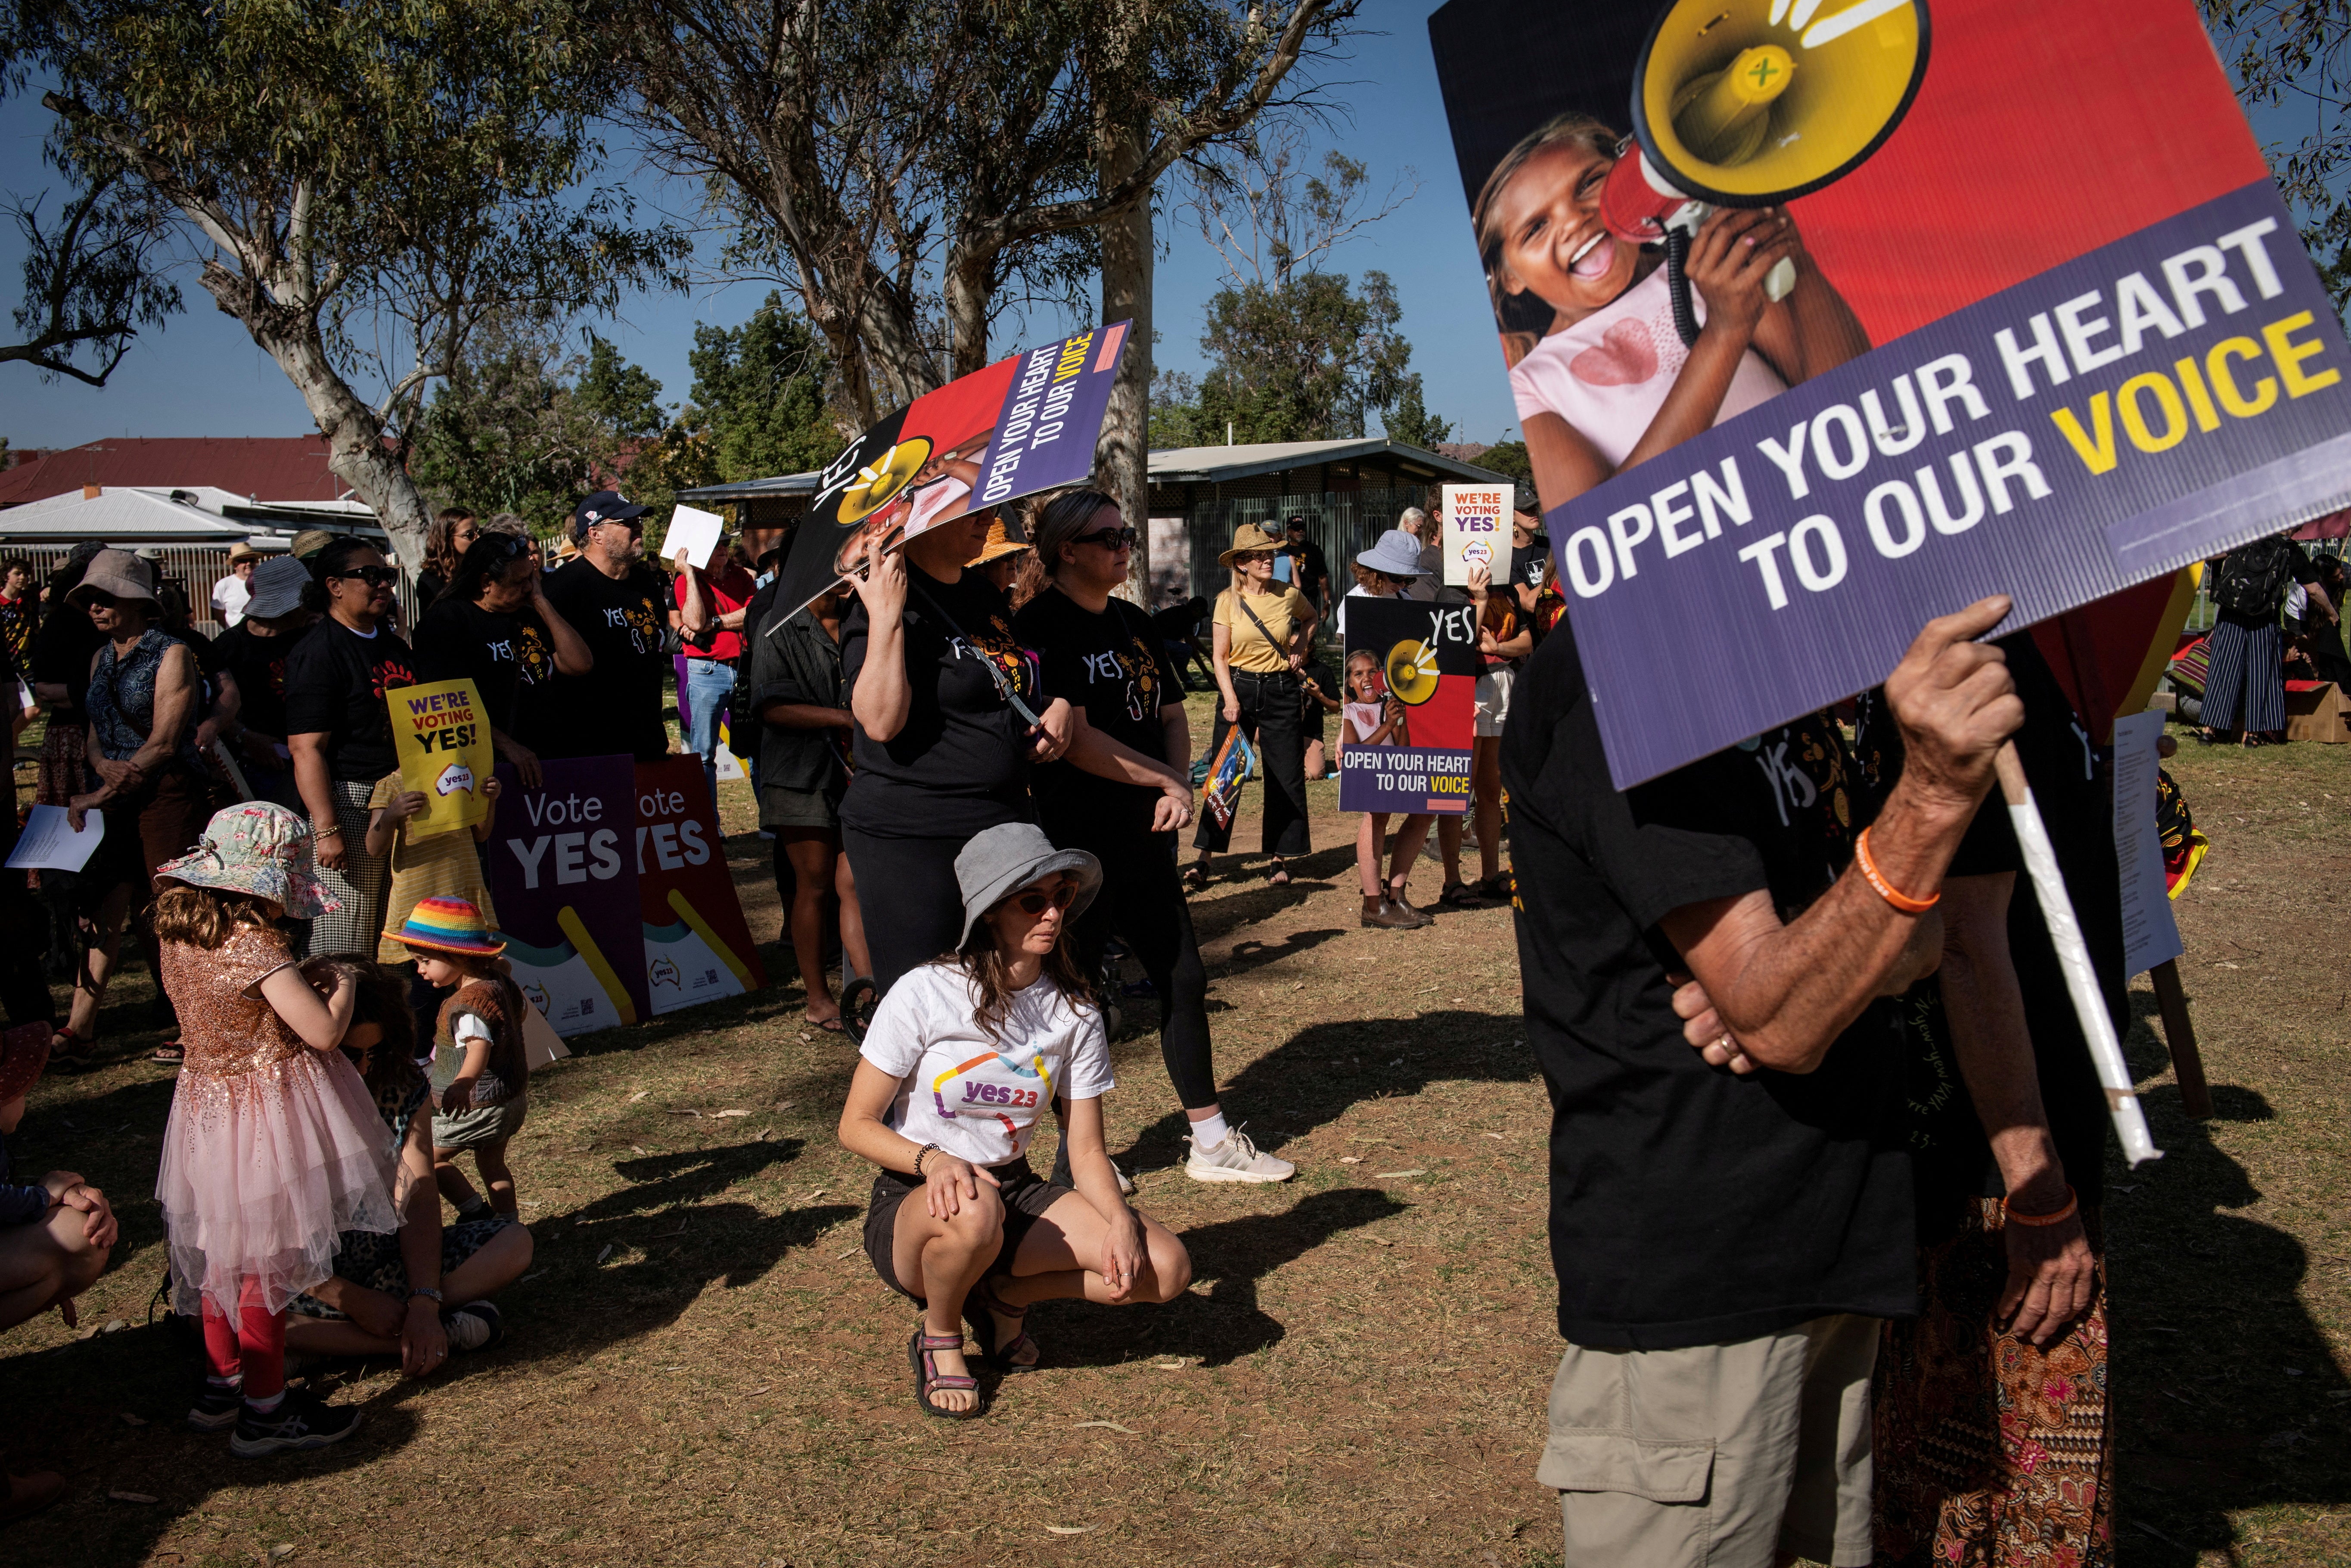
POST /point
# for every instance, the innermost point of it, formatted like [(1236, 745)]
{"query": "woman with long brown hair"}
[(965, 1054)]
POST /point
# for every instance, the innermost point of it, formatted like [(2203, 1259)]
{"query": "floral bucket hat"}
[(259, 849)]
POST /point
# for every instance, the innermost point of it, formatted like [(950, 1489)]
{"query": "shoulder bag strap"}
[(1241, 600), (994, 674)]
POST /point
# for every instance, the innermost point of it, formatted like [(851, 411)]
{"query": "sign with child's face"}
[(1409, 713), (2051, 331), (442, 740)]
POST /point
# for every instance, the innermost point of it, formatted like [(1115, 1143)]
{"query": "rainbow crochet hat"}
[(448, 926)]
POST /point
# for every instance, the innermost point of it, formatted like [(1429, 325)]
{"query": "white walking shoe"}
[(1234, 1159)]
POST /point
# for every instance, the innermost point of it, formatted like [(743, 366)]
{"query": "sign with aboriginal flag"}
[(564, 878), (1409, 715), (698, 946), (1827, 317), (442, 740), (1023, 425)]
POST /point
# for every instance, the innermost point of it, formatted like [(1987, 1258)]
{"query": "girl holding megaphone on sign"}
[(1601, 375)]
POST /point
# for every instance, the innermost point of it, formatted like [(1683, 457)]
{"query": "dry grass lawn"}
[(702, 1368)]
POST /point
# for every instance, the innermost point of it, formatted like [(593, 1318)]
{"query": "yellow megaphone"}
[(1411, 672), (877, 485), (1748, 103)]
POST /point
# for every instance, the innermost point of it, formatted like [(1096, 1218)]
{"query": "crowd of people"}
[(1813, 1071)]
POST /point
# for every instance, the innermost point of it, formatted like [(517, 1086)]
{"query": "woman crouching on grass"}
[(964, 1053)]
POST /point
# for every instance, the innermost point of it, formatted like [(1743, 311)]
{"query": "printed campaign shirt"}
[(976, 1098)]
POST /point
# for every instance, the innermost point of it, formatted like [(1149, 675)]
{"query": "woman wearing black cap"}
[(949, 714)]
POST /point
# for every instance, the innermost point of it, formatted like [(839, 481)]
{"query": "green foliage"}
[(1411, 423), (760, 395), (621, 395), (1509, 457), (2295, 51), (1307, 359), (1176, 414), (505, 433)]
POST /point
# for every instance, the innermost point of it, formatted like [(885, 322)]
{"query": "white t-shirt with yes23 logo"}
[(976, 1098)]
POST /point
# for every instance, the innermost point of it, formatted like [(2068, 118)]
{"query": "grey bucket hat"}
[(278, 585), (117, 574), (1000, 861), (1396, 554)]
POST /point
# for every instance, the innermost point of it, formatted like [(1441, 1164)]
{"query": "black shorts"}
[(1026, 1196)]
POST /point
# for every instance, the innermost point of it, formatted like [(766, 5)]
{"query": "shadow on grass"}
[(1220, 1320), (2228, 1395), (1310, 1080)]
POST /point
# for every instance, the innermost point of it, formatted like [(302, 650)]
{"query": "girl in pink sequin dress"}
[(274, 1146)]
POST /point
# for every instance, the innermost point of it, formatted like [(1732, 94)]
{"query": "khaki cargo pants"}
[(1717, 1455)]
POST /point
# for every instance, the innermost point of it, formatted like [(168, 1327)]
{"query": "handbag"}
[(1236, 764)]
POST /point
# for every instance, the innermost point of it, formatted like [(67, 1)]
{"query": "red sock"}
[(261, 1343), (257, 1346)]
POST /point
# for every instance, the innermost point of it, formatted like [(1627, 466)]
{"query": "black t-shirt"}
[(1313, 569), (960, 762), (617, 705), (1113, 669), (509, 657), (2073, 787), (258, 663), (1689, 1206), (335, 681)]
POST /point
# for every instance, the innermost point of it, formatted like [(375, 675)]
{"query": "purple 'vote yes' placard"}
[(2147, 404)]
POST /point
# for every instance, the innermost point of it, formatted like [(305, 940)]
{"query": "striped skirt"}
[(2246, 688)]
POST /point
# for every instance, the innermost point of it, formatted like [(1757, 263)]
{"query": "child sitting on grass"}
[(484, 1101)]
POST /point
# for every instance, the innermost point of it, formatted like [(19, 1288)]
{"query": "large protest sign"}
[(563, 875), (1410, 708), (1023, 425), (2089, 368), (443, 739), (698, 946)]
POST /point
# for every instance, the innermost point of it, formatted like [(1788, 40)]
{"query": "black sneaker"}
[(473, 1326), (304, 1421), (216, 1407)]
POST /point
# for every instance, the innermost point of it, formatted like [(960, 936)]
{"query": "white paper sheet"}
[(695, 532), (49, 843), (2150, 936)]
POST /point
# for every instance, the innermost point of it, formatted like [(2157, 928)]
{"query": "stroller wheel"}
[(858, 1000)]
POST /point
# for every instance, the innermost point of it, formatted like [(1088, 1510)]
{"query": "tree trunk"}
[(968, 298), (1122, 455), (356, 450)]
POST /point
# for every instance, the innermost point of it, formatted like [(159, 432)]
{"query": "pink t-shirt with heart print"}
[(1608, 374)]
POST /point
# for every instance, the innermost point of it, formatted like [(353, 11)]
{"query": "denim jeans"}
[(708, 683)]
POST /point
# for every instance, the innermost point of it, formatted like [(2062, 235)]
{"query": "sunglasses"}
[(1252, 555), (1035, 904), (632, 524), (373, 576), (1109, 538)]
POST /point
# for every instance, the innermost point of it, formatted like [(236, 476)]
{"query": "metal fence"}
[(195, 568), (1342, 523)]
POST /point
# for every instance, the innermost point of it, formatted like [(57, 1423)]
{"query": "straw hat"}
[(310, 541), (243, 552), (999, 544), (259, 849), (1248, 539), (117, 573), (445, 925)]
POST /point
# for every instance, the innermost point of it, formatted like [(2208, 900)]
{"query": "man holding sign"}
[(1728, 1246)]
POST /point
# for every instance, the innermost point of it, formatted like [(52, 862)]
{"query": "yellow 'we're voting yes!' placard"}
[(443, 738)]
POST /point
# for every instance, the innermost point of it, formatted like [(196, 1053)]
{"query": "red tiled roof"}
[(264, 468)]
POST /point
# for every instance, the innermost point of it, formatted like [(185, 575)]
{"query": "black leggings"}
[(1269, 717), (1142, 902), (907, 892)]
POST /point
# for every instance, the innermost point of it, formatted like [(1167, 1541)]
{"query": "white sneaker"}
[(1234, 1159), (1124, 1185)]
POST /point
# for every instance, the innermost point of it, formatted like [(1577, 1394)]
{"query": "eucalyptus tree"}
[(361, 184)]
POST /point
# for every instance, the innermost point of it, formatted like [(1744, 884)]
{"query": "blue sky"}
[(203, 376)]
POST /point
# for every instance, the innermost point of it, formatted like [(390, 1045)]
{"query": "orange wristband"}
[(1887, 890), (2072, 1206)]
